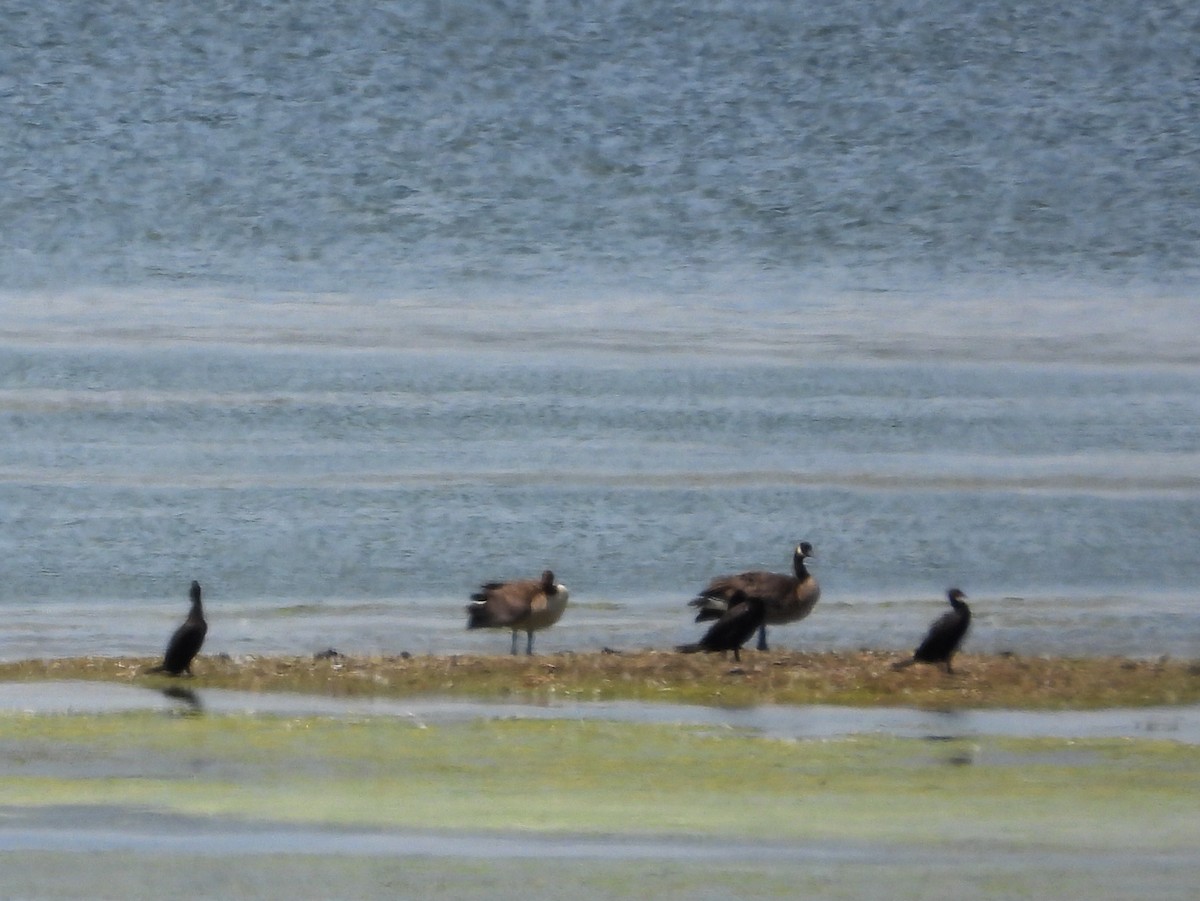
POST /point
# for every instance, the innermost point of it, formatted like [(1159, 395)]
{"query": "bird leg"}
[(762, 637), (529, 645), (514, 642)]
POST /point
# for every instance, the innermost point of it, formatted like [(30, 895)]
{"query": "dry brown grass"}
[(855, 678)]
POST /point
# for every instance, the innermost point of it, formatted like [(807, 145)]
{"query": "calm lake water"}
[(342, 314)]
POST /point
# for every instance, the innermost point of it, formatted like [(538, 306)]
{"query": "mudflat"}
[(849, 678)]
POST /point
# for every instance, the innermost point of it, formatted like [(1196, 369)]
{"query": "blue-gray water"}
[(344, 310)]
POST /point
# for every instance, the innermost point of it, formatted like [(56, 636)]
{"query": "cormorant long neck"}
[(197, 612)]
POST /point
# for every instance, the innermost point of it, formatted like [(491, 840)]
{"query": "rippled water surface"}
[(658, 143), (343, 313), (355, 496)]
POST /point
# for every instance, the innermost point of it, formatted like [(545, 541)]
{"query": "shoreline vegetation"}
[(857, 678)]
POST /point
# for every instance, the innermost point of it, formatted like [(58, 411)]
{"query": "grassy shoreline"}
[(860, 678)]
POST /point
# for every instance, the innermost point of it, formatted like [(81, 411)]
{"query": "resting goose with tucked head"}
[(732, 630), (185, 643), (525, 605), (944, 636), (785, 599)]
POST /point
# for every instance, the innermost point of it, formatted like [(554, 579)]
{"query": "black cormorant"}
[(944, 636), (186, 642), (732, 630)]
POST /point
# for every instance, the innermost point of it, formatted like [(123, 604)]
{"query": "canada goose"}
[(186, 641), (786, 599), (944, 636), (732, 630), (525, 605)]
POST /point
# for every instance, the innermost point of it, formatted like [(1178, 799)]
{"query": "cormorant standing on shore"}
[(186, 642), (944, 636), (786, 599), (523, 605), (732, 630)]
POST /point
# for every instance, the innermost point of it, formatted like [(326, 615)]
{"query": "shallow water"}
[(981, 845), (345, 314), (264, 862), (137, 813), (1180, 724), (98, 830), (355, 498)]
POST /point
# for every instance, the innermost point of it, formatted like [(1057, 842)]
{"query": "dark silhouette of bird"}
[(786, 599), (944, 636), (191, 703), (523, 605), (732, 630), (185, 643)]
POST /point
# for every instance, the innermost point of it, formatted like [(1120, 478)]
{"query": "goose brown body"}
[(785, 598), (523, 605)]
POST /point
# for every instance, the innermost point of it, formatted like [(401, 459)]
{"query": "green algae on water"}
[(610, 778)]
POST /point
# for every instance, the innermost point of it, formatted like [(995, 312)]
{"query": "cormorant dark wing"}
[(734, 628), (183, 647), (943, 637)]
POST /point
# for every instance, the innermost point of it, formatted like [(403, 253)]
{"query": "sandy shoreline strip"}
[(857, 679)]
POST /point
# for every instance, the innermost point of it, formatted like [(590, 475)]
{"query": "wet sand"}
[(859, 678)]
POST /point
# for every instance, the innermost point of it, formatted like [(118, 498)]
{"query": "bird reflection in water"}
[(190, 703)]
